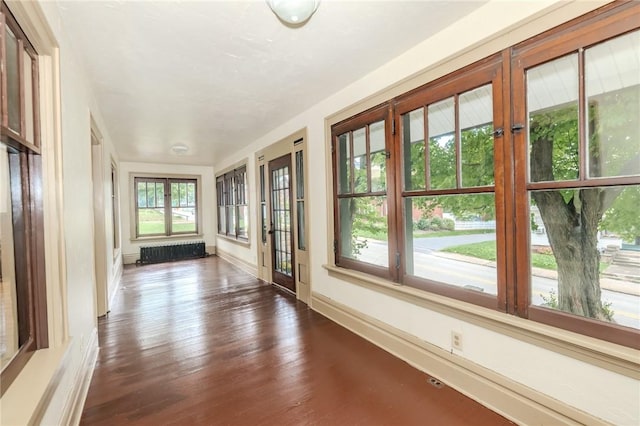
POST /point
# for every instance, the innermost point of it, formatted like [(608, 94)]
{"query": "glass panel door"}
[(281, 222)]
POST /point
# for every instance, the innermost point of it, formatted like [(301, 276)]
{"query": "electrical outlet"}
[(456, 340)]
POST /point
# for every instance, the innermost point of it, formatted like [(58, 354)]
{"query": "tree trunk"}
[(572, 228)]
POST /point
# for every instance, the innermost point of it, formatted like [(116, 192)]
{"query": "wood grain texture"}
[(201, 342)]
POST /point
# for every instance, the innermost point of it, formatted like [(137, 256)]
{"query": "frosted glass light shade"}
[(294, 12)]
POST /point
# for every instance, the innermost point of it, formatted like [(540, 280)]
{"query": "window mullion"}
[(368, 156), (168, 228), (3, 67), (458, 144), (582, 118), (351, 164), (427, 165), (23, 131)]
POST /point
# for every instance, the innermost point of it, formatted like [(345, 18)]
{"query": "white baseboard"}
[(78, 395), (510, 399), (240, 263), (130, 258)]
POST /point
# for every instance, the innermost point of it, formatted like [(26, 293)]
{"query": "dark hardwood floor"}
[(202, 342)]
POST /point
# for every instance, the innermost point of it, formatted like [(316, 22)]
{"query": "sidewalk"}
[(613, 281)]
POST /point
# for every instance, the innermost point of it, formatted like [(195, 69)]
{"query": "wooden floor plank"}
[(202, 342)]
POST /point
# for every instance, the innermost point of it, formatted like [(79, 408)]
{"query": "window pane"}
[(9, 334), (183, 219), (360, 161), (612, 82), (263, 222), (222, 220), (191, 194), (183, 194), (453, 240), (142, 194), (151, 221), (27, 83), (584, 261), (476, 137), (175, 194), (159, 194), (413, 149), (364, 230), (231, 220), (442, 145), (302, 238), (13, 81), (262, 188), (241, 188), (151, 195), (243, 221), (299, 175), (378, 157), (344, 164), (552, 102)]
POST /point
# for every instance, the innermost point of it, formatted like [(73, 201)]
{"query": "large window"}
[(233, 204), (166, 206), (360, 156), (520, 193), (23, 314)]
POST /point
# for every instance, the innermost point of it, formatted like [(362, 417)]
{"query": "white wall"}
[(498, 24), (131, 247)]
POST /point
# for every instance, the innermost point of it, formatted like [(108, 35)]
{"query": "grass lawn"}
[(151, 228), (487, 250), (151, 222)]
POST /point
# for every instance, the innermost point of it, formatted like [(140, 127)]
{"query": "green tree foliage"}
[(623, 218), (477, 170)]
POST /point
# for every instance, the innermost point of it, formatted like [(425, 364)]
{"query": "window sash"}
[(232, 204), (167, 205), (25, 168), (512, 184)]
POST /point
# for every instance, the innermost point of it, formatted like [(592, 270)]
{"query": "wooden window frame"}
[(487, 71), (232, 190), (27, 207), (380, 113), (168, 223), (505, 70), (606, 23)]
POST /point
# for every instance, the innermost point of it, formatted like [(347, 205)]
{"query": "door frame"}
[(99, 224), (292, 144)]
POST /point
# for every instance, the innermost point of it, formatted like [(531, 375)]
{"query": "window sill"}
[(36, 383), (166, 238), (242, 243), (606, 355)]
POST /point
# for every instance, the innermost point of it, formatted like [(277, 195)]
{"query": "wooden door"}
[(281, 229)]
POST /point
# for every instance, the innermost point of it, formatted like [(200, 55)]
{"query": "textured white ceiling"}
[(216, 75)]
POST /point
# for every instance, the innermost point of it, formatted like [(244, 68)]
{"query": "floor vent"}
[(170, 252)]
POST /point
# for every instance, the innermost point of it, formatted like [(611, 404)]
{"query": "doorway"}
[(281, 228), (283, 243)]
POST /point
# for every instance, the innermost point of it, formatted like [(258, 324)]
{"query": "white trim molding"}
[(78, 395), (240, 263)]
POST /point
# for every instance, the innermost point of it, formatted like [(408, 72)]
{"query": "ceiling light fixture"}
[(293, 12), (179, 149)]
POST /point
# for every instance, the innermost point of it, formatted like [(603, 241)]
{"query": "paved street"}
[(481, 275)]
